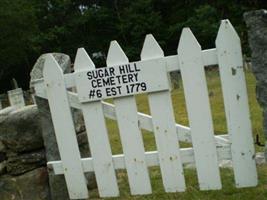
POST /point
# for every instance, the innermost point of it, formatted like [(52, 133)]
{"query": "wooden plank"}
[(209, 57), (121, 80), (64, 129), (130, 134), (172, 63), (199, 114), (97, 136), (236, 105), (152, 159), (164, 127)]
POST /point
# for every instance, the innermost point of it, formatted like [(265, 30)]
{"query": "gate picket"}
[(164, 127), (131, 138), (236, 105), (97, 136), (64, 129), (198, 108)]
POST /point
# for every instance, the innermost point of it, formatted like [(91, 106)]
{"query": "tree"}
[(18, 27)]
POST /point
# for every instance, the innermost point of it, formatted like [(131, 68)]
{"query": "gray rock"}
[(85, 153), (6, 111), (58, 189), (62, 59), (17, 164), (78, 120), (256, 22), (20, 130), (2, 147), (29, 186), (2, 156), (2, 167)]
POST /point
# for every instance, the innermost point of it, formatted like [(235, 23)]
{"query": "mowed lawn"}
[(216, 100)]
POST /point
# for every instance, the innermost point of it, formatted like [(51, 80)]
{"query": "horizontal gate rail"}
[(187, 157)]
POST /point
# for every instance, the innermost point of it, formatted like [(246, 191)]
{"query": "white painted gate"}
[(121, 80)]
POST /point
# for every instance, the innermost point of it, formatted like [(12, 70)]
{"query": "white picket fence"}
[(150, 75)]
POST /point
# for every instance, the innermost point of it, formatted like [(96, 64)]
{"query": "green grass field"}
[(229, 191)]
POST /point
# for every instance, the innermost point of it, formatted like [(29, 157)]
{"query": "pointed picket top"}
[(83, 60), (51, 67), (227, 31), (115, 54), (151, 48), (233, 81), (188, 44)]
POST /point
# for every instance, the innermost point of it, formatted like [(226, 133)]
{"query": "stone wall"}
[(257, 33), (23, 174), (27, 142)]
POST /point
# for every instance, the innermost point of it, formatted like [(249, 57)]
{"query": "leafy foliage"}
[(30, 28)]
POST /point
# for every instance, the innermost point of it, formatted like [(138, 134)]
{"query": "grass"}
[(193, 193)]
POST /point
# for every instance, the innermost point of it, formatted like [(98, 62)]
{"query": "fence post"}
[(199, 113), (58, 189), (163, 120), (236, 105), (130, 134), (97, 135), (64, 129)]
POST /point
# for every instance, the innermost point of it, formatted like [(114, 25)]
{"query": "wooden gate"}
[(121, 80)]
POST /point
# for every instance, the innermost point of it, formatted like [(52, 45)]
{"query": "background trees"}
[(30, 28)]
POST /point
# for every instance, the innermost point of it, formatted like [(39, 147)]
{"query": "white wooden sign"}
[(122, 80)]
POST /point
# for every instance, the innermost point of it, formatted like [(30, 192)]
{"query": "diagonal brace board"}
[(145, 121)]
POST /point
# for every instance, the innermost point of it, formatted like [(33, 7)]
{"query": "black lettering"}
[(127, 89), (106, 82), (131, 70), (89, 74), (100, 73), (112, 80), (136, 68), (93, 83), (130, 78), (136, 76), (95, 75), (99, 82), (143, 86), (124, 79), (111, 71), (106, 72), (122, 69), (119, 79), (113, 90), (119, 89), (108, 92)]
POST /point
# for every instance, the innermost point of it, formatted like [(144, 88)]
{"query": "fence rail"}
[(208, 149)]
